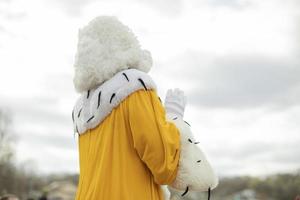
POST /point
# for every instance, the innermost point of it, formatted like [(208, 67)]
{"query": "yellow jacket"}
[(130, 153)]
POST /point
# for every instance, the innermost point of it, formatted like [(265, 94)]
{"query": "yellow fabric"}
[(130, 153)]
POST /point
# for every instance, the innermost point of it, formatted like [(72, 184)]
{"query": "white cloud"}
[(250, 141), (246, 48)]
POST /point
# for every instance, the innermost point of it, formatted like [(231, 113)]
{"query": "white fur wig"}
[(105, 47)]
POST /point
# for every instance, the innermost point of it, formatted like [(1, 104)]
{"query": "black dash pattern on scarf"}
[(79, 112), (99, 97), (142, 82), (92, 117), (73, 115), (190, 140), (112, 96), (88, 94), (126, 76)]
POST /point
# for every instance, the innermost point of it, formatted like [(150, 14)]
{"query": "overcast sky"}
[(237, 60)]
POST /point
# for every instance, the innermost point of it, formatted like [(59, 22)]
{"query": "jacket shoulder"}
[(94, 105)]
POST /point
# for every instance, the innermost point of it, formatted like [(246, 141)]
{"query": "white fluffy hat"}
[(105, 47)]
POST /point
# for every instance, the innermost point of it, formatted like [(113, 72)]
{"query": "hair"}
[(105, 47)]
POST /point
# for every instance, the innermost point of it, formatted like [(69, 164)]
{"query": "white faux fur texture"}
[(95, 105), (194, 171), (105, 47)]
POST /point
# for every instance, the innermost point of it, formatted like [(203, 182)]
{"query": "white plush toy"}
[(194, 171)]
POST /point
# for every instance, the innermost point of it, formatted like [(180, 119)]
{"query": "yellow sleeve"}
[(156, 140)]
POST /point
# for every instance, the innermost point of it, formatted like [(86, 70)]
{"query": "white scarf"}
[(94, 105)]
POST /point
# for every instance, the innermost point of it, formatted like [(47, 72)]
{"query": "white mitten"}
[(175, 103)]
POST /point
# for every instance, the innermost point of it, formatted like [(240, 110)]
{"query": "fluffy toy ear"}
[(194, 171), (105, 47)]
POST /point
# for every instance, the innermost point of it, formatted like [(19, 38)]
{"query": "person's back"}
[(122, 154)]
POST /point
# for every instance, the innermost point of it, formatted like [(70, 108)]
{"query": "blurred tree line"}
[(275, 187), (20, 180)]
